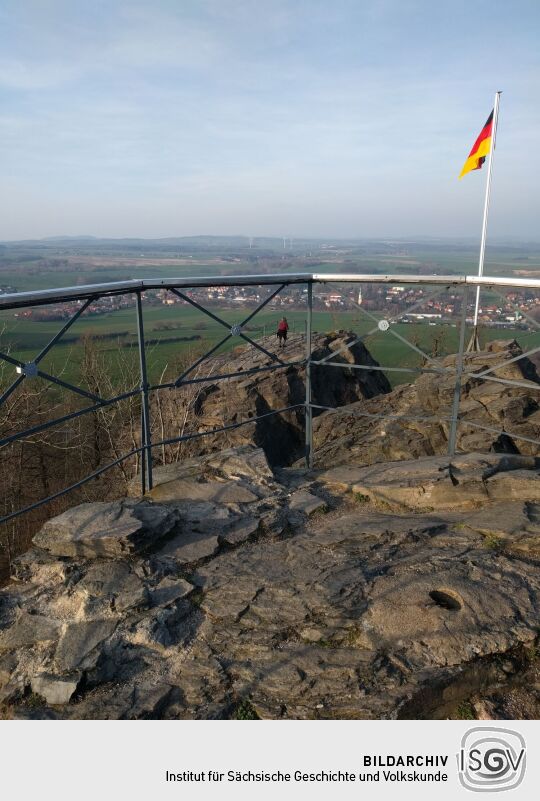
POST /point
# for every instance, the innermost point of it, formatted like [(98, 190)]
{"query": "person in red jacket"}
[(283, 327)]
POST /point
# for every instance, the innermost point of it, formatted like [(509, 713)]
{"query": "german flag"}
[(480, 149)]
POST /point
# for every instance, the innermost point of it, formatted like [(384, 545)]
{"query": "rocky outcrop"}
[(465, 482), (487, 404), (105, 529), (230, 401), (353, 592)]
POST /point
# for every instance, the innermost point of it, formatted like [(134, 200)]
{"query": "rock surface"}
[(55, 689), (340, 593), (228, 402), (487, 402), (105, 529), (465, 482)]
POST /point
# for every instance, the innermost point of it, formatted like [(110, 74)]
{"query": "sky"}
[(300, 118)]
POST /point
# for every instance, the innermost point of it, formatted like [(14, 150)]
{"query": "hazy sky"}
[(266, 117)]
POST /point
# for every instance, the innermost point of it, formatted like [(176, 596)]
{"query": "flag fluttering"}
[(480, 149)]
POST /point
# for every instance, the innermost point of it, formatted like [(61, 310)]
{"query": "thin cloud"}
[(302, 115)]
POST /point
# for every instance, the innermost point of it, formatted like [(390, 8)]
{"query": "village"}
[(391, 301)]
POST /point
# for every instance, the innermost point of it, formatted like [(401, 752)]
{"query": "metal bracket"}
[(30, 369)]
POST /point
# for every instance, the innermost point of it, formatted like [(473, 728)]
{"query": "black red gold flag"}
[(480, 149)]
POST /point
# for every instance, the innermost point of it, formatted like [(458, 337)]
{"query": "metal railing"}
[(85, 296)]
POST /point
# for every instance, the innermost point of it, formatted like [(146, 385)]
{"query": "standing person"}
[(283, 327)]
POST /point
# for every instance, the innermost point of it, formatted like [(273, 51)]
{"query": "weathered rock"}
[(417, 588), (238, 399), (12, 691), (512, 528), (105, 529), (484, 710), (40, 567), (78, 644), (192, 547), (196, 514), (8, 665), (149, 700), (427, 404), (28, 630), (306, 503), (240, 530), (435, 616), (213, 491), (164, 628), (56, 690), (522, 485), (36, 713), (464, 482), (502, 519), (244, 462), (170, 590), (116, 583)]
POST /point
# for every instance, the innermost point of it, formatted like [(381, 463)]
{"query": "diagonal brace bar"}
[(11, 389), (53, 379), (534, 322), (46, 349), (506, 363), (392, 319), (65, 418), (63, 330), (226, 325), (199, 307), (263, 304), (200, 360)]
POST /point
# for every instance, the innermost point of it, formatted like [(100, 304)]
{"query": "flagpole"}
[(474, 344)]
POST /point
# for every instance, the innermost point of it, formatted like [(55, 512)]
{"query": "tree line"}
[(43, 463)]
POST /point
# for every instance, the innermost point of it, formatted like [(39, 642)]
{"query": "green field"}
[(178, 332), (43, 265), (28, 277), (25, 338)]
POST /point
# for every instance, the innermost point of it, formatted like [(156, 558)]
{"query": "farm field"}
[(175, 332), (29, 277), (46, 264)]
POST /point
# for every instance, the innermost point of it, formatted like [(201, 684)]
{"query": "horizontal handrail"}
[(42, 297), (145, 449), (137, 287)]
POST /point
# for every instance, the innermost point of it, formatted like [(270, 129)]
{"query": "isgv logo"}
[(491, 759)]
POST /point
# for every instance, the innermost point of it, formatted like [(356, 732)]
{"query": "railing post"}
[(309, 411), (459, 372), (146, 471), (143, 455)]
